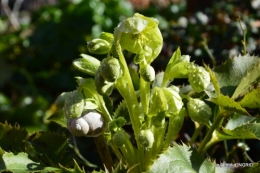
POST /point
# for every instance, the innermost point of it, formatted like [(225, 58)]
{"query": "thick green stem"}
[(209, 133)]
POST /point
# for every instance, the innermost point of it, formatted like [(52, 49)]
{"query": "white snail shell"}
[(91, 124)]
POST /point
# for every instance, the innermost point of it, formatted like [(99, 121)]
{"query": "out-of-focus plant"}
[(33, 58)]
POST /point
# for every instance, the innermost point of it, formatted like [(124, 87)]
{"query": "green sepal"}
[(110, 69), (146, 138), (158, 102), (74, 104), (98, 46), (87, 64), (174, 101), (107, 36), (198, 110), (119, 138), (198, 78), (147, 73)]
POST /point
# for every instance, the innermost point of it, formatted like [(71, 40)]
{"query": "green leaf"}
[(50, 148), (252, 99), (20, 163), (11, 137), (251, 77), (181, 159), (247, 131), (58, 118), (230, 74), (173, 61), (229, 104), (76, 169), (87, 64), (240, 127)]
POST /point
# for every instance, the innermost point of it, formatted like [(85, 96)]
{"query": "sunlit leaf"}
[(182, 159), (229, 104), (58, 118), (20, 163), (230, 74), (251, 77), (252, 99), (87, 64)]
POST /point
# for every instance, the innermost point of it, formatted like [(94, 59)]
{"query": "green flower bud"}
[(198, 110), (91, 124), (102, 86), (73, 105), (98, 46), (119, 138), (107, 36), (110, 69), (61, 99), (147, 73), (198, 78), (146, 138)]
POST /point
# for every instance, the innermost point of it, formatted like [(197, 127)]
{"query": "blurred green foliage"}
[(36, 60)]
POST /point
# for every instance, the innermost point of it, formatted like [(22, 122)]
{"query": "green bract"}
[(198, 78), (147, 73), (87, 64), (198, 110), (110, 69), (73, 105), (119, 138), (136, 32), (98, 46), (146, 138)]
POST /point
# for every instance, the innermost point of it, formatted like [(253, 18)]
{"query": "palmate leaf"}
[(20, 163), (230, 74), (182, 159), (11, 137), (229, 104)]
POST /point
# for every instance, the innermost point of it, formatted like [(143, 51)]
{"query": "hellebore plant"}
[(155, 108)]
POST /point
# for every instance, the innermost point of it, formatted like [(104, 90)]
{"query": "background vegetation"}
[(39, 40)]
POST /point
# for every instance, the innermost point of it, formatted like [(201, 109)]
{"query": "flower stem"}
[(209, 133), (198, 128)]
